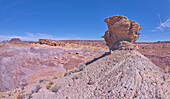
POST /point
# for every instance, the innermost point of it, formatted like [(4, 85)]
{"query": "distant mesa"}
[(120, 28), (15, 40)]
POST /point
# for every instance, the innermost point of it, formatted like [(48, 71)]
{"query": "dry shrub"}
[(90, 59), (77, 74), (27, 95), (166, 69), (73, 69), (18, 96), (2, 94), (22, 88), (58, 75), (48, 85), (72, 45)]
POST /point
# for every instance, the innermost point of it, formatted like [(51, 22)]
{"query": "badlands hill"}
[(157, 52), (122, 74)]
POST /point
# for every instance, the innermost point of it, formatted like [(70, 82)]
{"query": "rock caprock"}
[(120, 28)]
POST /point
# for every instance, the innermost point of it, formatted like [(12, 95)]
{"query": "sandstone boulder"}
[(120, 28)]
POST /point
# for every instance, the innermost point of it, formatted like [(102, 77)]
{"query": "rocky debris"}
[(86, 44), (15, 40), (91, 82), (120, 28), (51, 42), (158, 42), (122, 74), (125, 45), (109, 76), (158, 53), (36, 58), (18, 96), (54, 88), (20, 65), (36, 89)]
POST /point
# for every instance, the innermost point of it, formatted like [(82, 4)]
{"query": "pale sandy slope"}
[(121, 75)]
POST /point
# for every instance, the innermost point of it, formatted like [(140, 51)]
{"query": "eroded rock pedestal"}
[(120, 28)]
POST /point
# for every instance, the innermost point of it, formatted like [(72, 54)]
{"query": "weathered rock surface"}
[(120, 28), (27, 64), (51, 42), (37, 58), (123, 74), (125, 45), (158, 53)]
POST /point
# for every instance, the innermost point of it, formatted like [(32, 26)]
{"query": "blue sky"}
[(80, 19)]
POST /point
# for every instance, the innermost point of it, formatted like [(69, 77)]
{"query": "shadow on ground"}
[(95, 59)]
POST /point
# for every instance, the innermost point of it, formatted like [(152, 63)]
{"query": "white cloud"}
[(163, 25), (32, 37), (37, 36)]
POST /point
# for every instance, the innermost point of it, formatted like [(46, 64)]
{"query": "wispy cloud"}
[(163, 26), (32, 37), (37, 36), (12, 4)]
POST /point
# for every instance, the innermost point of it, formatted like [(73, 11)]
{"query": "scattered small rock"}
[(91, 82), (36, 89), (54, 88)]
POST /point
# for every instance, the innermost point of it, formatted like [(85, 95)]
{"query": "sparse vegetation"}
[(2, 94), (166, 69), (58, 75), (90, 59), (22, 88), (73, 70), (28, 95), (48, 85), (18, 96), (77, 74)]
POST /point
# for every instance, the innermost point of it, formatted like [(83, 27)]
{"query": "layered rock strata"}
[(120, 28)]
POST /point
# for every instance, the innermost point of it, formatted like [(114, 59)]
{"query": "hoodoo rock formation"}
[(120, 28)]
